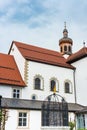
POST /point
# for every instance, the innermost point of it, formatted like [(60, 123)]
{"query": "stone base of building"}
[(55, 128)]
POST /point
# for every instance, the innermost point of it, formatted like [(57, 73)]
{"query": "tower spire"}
[(65, 24), (65, 43), (65, 31)]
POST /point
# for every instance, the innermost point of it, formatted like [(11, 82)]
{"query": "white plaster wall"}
[(11, 123), (81, 81), (35, 120), (47, 72), (5, 91), (20, 61)]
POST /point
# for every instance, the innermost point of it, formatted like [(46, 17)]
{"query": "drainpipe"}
[(75, 92), (74, 85)]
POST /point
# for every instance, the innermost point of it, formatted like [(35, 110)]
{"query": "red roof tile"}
[(9, 73), (78, 55), (42, 55)]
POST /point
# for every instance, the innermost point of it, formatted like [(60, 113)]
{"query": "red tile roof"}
[(42, 55), (78, 55), (9, 73)]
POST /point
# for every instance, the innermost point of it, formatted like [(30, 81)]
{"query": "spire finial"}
[(84, 43), (65, 25)]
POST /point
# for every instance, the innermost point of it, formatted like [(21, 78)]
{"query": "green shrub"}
[(72, 125)]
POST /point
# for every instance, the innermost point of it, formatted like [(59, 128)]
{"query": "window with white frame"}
[(22, 119), (16, 93), (38, 82), (67, 86), (54, 83)]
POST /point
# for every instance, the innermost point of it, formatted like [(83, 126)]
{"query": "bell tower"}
[(65, 43)]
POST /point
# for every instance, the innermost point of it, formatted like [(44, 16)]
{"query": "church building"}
[(29, 74)]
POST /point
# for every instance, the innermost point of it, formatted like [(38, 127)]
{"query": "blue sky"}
[(41, 22)]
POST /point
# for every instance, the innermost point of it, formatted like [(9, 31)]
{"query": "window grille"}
[(54, 112)]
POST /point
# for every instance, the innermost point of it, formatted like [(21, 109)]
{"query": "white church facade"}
[(29, 74)]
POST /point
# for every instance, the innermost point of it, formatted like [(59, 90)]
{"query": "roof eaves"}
[(74, 59), (50, 63), (12, 103)]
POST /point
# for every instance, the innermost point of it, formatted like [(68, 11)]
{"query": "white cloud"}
[(42, 25)]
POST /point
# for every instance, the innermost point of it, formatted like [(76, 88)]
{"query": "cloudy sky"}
[(41, 22)]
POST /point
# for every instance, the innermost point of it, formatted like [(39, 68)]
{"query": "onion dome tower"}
[(65, 43)]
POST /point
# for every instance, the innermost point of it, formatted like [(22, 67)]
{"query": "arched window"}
[(65, 48), (53, 84), (34, 97), (69, 48), (68, 87), (37, 83)]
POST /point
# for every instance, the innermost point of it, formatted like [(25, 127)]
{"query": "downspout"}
[(75, 92), (74, 85)]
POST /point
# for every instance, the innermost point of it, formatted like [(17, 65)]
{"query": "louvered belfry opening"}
[(54, 111)]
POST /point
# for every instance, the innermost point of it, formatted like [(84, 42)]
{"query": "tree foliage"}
[(3, 118)]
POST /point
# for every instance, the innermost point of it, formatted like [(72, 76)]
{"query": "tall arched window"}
[(37, 83), (53, 84), (69, 49), (65, 48), (67, 87)]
